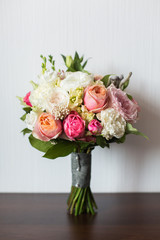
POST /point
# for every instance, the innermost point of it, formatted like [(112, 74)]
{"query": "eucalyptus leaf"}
[(40, 145)]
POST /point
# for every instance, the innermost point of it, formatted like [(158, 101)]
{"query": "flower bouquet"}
[(72, 112)]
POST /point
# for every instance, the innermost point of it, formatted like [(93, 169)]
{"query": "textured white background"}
[(120, 36)]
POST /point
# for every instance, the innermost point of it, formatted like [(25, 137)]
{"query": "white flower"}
[(113, 123), (40, 95), (54, 100), (48, 76), (31, 119), (75, 80), (57, 103)]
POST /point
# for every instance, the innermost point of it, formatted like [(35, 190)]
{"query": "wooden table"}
[(44, 217)]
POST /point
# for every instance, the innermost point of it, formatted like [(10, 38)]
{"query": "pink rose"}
[(74, 126), (47, 127), (119, 101), (26, 99), (95, 98), (95, 127)]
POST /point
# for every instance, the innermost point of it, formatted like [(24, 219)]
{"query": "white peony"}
[(31, 119), (75, 80), (113, 123)]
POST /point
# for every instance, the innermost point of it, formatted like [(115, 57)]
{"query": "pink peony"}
[(95, 127), (47, 127), (74, 126), (26, 99), (95, 98), (119, 101)]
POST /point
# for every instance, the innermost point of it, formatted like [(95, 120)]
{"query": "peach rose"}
[(95, 98), (47, 127)]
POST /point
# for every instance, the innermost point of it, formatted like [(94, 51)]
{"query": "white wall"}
[(120, 36)]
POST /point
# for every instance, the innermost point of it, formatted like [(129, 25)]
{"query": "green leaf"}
[(27, 109), (102, 142), (60, 149), (76, 56), (26, 130), (125, 84), (23, 117), (74, 64), (84, 64), (40, 145), (64, 58), (121, 140), (131, 130), (129, 96), (105, 80)]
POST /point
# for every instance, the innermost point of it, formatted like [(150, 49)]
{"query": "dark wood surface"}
[(44, 217)]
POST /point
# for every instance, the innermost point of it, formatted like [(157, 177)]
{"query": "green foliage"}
[(106, 80), (121, 140), (23, 117), (44, 68), (131, 130), (125, 84), (74, 64), (102, 142), (60, 149), (50, 59), (25, 131), (40, 145), (129, 96), (27, 110)]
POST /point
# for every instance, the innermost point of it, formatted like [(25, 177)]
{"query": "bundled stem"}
[(80, 201)]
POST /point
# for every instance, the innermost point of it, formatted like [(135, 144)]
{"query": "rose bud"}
[(95, 127)]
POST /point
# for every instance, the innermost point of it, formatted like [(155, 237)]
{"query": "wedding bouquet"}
[(73, 111)]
